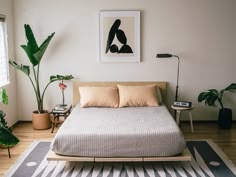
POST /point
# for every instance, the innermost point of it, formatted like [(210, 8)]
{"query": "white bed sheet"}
[(119, 132)]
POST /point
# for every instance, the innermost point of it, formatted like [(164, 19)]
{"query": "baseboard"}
[(20, 121)]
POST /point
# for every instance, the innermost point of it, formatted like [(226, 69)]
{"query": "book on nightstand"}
[(62, 108)]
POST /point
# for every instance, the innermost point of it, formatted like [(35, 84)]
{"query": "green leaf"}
[(6, 137), (210, 100), (231, 87), (3, 120), (31, 41), (32, 46), (202, 96), (30, 55), (25, 69), (52, 77), (68, 77), (213, 91), (39, 54), (60, 77), (209, 96), (3, 96)]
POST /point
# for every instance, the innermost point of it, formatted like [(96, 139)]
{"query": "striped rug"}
[(208, 161)]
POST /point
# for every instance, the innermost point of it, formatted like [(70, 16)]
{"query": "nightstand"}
[(179, 109), (57, 113)]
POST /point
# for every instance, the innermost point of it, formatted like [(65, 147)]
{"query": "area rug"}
[(208, 161)]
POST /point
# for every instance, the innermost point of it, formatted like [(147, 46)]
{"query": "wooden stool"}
[(179, 109)]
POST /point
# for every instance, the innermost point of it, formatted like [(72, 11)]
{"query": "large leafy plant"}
[(212, 95), (6, 137), (35, 53)]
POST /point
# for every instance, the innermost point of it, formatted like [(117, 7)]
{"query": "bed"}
[(119, 134)]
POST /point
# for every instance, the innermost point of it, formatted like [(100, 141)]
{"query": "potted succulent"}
[(7, 139), (211, 96), (35, 52)]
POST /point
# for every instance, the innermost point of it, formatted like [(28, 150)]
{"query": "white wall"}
[(6, 7), (201, 32)]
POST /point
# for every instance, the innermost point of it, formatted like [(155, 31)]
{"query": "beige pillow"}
[(138, 95), (99, 97)]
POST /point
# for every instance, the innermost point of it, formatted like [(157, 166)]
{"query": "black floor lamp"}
[(167, 55)]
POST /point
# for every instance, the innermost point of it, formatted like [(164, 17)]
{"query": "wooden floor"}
[(226, 140)]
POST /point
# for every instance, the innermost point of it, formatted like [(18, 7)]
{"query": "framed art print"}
[(119, 33)]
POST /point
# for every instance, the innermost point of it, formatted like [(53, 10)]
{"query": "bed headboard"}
[(77, 84)]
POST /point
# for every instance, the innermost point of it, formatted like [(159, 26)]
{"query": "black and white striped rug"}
[(208, 161)]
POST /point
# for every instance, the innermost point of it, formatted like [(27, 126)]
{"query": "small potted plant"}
[(211, 96), (62, 85)]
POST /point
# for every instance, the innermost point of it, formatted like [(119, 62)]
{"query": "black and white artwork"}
[(119, 36)]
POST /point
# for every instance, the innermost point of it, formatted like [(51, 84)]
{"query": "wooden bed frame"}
[(52, 156)]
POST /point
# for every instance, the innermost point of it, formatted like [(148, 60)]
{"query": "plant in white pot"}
[(211, 96), (35, 52)]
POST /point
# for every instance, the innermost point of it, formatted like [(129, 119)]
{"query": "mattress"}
[(119, 132)]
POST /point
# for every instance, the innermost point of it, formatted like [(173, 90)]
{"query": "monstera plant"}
[(7, 139), (212, 96), (35, 52)]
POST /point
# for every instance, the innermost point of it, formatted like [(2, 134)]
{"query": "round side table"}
[(179, 109)]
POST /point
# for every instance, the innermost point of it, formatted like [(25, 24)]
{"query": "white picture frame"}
[(119, 36)]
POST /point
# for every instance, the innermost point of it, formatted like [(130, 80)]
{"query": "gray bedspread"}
[(119, 132)]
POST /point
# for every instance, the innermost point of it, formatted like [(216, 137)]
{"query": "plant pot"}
[(225, 118), (41, 121), (2, 146)]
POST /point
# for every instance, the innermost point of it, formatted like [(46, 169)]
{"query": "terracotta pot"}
[(41, 121)]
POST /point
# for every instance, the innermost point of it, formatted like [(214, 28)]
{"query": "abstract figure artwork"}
[(119, 36), (115, 31)]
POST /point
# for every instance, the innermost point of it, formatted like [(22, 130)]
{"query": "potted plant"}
[(7, 139), (40, 117), (211, 96), (63, 86)]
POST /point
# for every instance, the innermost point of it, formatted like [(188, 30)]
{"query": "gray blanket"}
[(119, 132)]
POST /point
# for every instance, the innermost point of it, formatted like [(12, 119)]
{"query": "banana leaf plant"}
[(212, 95), (35, 53)]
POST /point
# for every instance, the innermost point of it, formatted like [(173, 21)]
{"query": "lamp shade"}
[(164, 55)]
